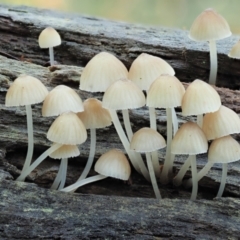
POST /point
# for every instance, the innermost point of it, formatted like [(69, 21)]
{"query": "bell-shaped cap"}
[(189, 139), (25, 90), (49, 37), (101, 71), (147, 140), (113, 164), (235, 51), (224, 150), (221, 123), (123, 94), (146, 68), (61, 99), (209, 25), (65, 151), (67, 129), (165, 92), (200, 98), (94, 115)]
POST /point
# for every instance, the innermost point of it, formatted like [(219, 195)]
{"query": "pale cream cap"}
[(221, 123), (147, 140), (25, 90), (189, 139), (65, 151), (146, 68), (49, 37), (209, 25), (61, 99), (165, 92), (101, 71), (113, 164), (200, 98), (235, 51), (224, 150), (67, 129), (123, 94), (94, 115)]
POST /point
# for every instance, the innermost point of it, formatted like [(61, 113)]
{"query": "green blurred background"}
[(170, 13)]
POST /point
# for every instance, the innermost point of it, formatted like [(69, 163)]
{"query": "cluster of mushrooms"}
[(124, 90)]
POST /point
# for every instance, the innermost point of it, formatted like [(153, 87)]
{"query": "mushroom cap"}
[(61, 99), (65, 151), (113, 164), (209, 25), (189, 139), (235, 51), (224, 150), (200, 98), (123, 94), (25, 90), (94, 115), (147, 140), (146, 68), (49, 37), (221, 123), (102, 70), (67, 129), (165, 92)]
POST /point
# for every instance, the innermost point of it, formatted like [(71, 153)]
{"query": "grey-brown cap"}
[(189, 139), (25, 90), (94, 115), (123, 94), (224, 150), (200, 98), (49, 37), (146, 68), (61, 99), (101, 71), (147, 140), (67, 129), (209, 25), (65, 151), (113, 164)]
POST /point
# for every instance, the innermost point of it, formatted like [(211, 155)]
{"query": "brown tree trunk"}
[(109, 209)]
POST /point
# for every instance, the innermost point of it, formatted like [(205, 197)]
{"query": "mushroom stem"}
[(167, 163), (200, 120), (38, 161), (83, 182), (175, 121), (139, 166), (152, 116), (194, 177), (203, 172), (57, 179), (127, 124), (152, 176), (223, 180), (63, 173), (213, 62), (177, 181), (51, 55), (30, 138)]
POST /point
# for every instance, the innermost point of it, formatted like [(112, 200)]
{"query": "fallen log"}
[(29, 211)]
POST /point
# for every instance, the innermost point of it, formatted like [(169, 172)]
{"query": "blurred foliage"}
[(171, 13)]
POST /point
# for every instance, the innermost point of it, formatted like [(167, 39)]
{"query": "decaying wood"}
[(29, 211)]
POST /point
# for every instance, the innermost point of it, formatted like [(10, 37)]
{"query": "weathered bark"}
[(29, 211)]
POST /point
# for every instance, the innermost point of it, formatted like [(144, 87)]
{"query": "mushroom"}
[(210, 26), (166, 92), (147, 140), (24, 91), (235, 51), (111, 164), (190, 140), (64, 152), (49, 38), (122, 95), (67, 129)]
